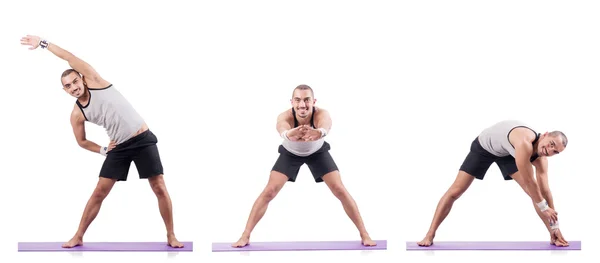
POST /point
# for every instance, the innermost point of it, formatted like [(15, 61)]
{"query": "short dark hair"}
[(561, 135), (304, 87), (69, 71)]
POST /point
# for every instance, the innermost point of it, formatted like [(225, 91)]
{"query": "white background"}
[(408, 84)]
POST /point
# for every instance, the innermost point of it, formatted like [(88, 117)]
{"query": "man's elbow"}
[(82, 143)]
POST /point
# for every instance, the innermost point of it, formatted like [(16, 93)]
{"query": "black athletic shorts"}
[(479, 160), (142, 150), (320, 163)]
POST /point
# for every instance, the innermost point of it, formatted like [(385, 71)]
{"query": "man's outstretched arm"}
[(282, 123), (284, 128), (523, 151), (322, 126), (323, 121), (541, 170), (90, 74)]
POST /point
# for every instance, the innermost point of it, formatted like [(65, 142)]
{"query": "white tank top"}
[(494, 139), (109, 109), (300, 148)]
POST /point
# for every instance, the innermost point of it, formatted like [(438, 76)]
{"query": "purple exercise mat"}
[(102, 246), (300, 246), (493, 245)]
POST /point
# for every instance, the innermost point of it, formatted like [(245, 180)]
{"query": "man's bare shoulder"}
[(287, 113), (541, 162), (521, 135), (76, 114), (285, 116), (321, 111)]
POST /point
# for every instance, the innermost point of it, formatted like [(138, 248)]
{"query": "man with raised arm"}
[(98, 102), (515, 148), (303, 129)]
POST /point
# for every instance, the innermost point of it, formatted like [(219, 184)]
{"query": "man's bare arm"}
[(541, 169), (89, 73), (283, 122), (91, 76), (323, 120), (322, 123), (523, 151), (78, 124)]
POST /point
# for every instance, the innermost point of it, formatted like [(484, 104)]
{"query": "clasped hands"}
[(304, 133)]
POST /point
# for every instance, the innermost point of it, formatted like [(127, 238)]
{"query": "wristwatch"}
[(44, 44)]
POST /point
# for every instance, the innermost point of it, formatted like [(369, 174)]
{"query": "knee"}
[(157, 183), (338, 190), (455, 193), (462, 183), (159, 189), (100, 193), (269, 193)]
